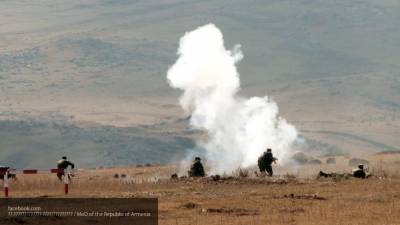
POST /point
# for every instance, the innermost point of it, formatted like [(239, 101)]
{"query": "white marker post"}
[(66, 181), (6, 184)]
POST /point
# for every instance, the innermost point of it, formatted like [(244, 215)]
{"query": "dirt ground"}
[(283, 199)]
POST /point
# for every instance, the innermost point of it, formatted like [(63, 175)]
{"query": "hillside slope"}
[(332, 66)]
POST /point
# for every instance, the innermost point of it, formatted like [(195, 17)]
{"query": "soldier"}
[(3, 170), (197, 169), (62, 165), (265, 162), (359, 172)]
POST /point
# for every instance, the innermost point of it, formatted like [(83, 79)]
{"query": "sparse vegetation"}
[(241, 172), (87, 78), (290, 177), (239, 199)]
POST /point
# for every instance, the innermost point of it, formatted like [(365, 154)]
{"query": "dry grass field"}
[(291, 197)]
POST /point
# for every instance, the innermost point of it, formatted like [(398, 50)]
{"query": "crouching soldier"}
[(197, 169), (359, 172), (62, 165), (265, 162), (3, 172)]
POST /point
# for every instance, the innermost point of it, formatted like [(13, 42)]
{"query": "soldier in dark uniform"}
[(197, 169), (359, 172), (265, 162), (62, 165)]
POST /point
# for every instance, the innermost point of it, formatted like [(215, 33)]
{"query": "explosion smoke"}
[(238, 129)]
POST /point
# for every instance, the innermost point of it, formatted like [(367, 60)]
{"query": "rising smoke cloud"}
[(238, 129)]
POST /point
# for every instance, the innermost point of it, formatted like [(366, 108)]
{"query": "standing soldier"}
[(197, 169), (62, 165), (265, 162)]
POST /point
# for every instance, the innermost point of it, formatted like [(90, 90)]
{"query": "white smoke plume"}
[(238, 129)]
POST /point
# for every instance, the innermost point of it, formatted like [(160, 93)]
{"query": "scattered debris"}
[(222, 179), (246, 180), (190, 205), (292, 210), (306, 197), (236, 211)]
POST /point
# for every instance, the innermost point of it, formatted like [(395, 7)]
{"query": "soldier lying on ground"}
[(359, 172)]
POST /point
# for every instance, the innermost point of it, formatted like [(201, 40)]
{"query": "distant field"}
[(104, 63), (284, 199)]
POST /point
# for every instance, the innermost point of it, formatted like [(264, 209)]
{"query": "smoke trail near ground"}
[(238, 129)]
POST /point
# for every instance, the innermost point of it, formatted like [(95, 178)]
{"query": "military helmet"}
[(64, 157), (269, 150), (197, 159), (361, 166)]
